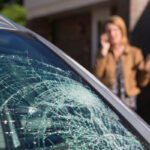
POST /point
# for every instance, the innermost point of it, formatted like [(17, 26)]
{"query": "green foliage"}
[(14, 12)]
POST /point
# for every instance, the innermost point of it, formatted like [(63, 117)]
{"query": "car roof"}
[(132, 118)]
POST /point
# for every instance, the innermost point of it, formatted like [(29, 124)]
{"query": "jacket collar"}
[(126, 50)]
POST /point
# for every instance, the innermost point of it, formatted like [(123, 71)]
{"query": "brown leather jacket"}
[(133, 71)]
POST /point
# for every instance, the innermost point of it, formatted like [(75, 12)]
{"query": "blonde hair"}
[(118, 21)]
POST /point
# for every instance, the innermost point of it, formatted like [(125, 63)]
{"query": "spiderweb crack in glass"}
[(54, 110)]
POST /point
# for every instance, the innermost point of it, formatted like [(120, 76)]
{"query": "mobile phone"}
[(107, 40)]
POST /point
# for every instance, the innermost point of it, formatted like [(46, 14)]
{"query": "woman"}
[(120, 66)]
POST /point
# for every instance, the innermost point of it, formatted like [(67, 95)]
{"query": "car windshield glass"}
[(45, 105)]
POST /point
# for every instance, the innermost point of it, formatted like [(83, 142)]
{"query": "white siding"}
[(37, 8)]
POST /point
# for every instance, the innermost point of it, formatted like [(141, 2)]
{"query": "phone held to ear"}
[(107, 40)]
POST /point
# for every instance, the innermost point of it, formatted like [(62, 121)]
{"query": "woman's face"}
[(114, 33)]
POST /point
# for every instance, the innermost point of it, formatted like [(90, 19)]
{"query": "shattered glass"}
[(45, 105)]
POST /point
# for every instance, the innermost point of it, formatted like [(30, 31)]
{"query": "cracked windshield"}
[(46, 105)]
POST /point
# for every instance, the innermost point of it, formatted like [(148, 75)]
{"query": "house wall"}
[(71, 33), (41, 26)]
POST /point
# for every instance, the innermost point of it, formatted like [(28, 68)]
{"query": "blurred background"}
[(14, 10), (75, 27)]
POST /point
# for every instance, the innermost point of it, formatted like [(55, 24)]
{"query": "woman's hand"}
[(147, 63), (104, 40)]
